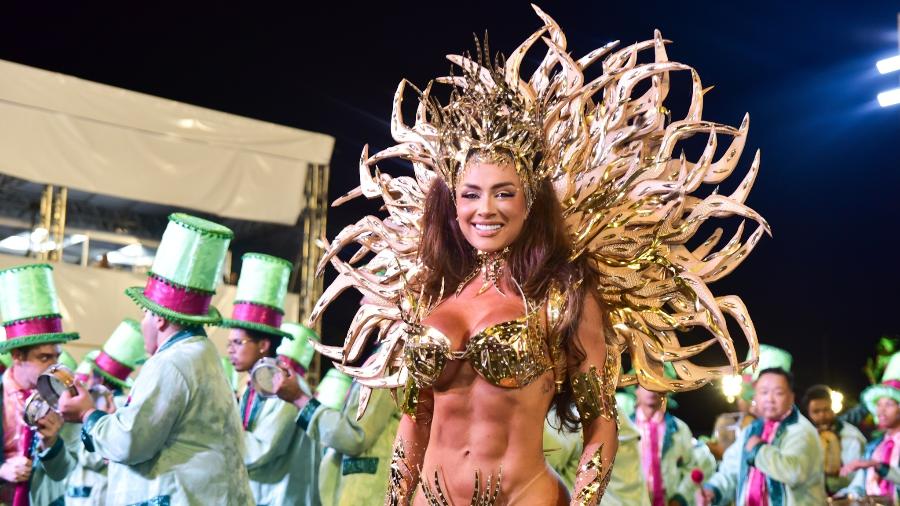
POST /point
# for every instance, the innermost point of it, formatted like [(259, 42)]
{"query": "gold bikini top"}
[(510, 354)]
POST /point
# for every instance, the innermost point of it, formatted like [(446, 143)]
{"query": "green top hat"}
[(771, 357), (298, 350), (333, 389), (231, 374), (261, 289), (121, 354), (66, 359), (889, 386), (668, 372), (186, 271), (29, 307), (85, 369)]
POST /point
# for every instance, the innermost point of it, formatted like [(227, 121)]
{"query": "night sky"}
[(824, 286)]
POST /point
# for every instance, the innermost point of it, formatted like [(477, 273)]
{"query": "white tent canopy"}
[(61, 130)]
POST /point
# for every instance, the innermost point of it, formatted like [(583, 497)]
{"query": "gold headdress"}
[(629, 204), (487, 116)]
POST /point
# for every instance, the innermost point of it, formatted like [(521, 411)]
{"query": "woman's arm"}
[(594, 387), (409, 450)]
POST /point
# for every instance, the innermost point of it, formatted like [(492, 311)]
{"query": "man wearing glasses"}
[(281, 460)]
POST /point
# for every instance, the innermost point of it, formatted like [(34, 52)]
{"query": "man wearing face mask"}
[(35, 460), (878, 472), (178, 440), (777, 460), (281, 460)]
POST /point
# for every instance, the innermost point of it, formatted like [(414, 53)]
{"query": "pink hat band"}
[(112, 366), (892, 383), (176, 298), (48, 325), (255, 313)]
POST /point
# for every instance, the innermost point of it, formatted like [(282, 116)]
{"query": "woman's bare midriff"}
[(481, 427)]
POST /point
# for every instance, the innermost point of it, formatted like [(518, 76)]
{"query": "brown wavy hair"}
[(538, 258)]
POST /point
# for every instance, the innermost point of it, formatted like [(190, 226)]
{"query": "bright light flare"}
[(732, 385), (837, 401), (888, 65), (889, 97)]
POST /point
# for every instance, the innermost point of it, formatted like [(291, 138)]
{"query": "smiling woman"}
[(542, 235)]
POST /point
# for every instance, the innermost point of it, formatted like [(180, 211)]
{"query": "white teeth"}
[(479, 226)]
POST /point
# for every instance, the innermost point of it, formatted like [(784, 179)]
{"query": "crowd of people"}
[(185, 431), (539, 247)]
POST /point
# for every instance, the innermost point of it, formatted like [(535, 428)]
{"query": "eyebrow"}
[(496, 186)]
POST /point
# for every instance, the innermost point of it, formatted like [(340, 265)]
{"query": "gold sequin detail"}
[(591, 493), (510, 354), (490, 265), (486, 497), (595, 393), (400, 486)]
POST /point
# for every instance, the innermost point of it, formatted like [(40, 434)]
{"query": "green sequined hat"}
[(771, 357), (29, 307), (85, 369), (186, 271), (297, 352), (66, 359), (889, 386), (332, 390), (261, 290), (122, 353)]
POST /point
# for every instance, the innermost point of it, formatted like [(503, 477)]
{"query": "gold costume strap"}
[(486, 497), (592, 491), (400, 485), (556, 306), (595, 393)]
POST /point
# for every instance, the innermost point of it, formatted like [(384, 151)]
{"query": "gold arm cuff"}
[(400, 484), (592, 491)]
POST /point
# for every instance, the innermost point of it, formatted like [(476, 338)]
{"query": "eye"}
[(506, 194), (469, 195)]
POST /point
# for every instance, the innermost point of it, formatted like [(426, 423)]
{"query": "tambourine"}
[(36, 407), (262, 376), (56, 380)]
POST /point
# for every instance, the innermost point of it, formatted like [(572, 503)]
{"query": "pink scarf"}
[(757, 494), (885, 453), (652, 430)]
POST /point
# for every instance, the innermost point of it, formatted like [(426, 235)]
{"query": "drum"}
[(262, 376), (35, 409), (56, 380)]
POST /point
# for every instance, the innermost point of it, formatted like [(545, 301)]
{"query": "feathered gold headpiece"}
[(488, 117)]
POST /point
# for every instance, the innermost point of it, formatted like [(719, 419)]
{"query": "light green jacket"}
[(677, 461), (792, 463), (627, 486), (281, 459), (86, 484), (179, 442), (356, 465)]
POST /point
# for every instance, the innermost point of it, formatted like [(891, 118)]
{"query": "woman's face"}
[(490, 205)]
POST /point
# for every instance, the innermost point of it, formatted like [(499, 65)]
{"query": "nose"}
[(486, 206)]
